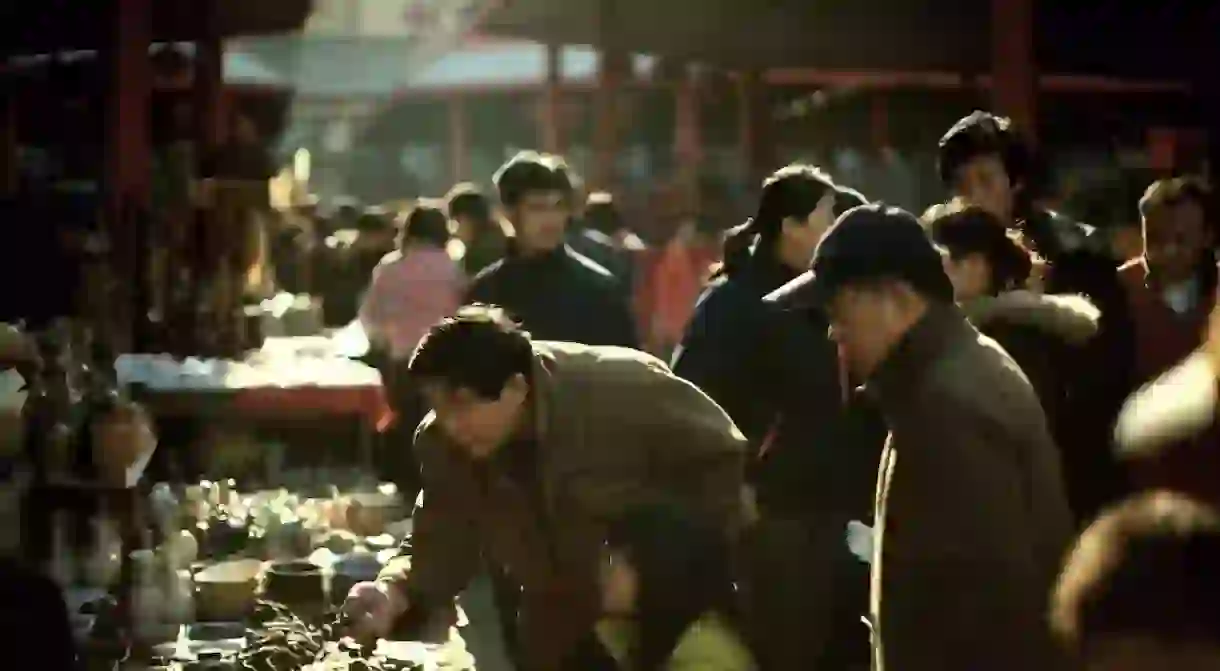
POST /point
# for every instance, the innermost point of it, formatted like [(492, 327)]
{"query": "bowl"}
[(294, 583), (352, 568), (226, 591)]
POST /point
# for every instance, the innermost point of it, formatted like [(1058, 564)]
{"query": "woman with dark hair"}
[(668, 598), (721, 344), (992, 273), (814, 462)]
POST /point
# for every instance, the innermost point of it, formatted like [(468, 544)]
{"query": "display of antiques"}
[(253, 580)]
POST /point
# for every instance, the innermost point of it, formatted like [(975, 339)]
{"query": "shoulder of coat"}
[(711, 644)]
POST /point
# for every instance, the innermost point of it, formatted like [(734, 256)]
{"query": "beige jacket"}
[(615, 429)]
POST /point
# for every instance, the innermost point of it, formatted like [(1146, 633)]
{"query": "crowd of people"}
[(949, 384)]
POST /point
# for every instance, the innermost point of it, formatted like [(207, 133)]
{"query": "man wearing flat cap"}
[(971, 514)]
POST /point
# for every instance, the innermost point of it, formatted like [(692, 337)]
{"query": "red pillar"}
[(879, 120), (1162, 150), (755, 127), (126, 160), (1013, 67), (688, 141), (459, 139), (614, 65), (209, 80), (550, 137), (127, 149)]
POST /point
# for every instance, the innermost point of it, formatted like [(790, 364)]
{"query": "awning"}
[(1142, 40), (863, 34), (40, 26)]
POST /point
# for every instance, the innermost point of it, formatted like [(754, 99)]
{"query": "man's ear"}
[(516, 389)]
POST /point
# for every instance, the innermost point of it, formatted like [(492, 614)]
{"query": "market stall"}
[(297, 379), (249, 581)]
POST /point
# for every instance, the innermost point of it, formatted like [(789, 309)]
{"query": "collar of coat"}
[(917, 351), (542, 386)]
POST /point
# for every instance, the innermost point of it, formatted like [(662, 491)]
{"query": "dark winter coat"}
[(559, 295)]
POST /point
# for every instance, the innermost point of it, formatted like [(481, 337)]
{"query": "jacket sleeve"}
[(695, 447), (444, 544), (717, 355)]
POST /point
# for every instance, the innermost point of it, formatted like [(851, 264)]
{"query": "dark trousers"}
[(804, 595), (507, 597), (396, 458)]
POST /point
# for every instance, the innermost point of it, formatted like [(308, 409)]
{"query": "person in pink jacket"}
[(414, 287)]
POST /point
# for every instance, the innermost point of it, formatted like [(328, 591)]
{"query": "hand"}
[(372, 608)]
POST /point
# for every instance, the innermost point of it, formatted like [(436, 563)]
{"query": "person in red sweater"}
[(1170, 292)]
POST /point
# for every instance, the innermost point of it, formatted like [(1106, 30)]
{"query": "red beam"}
[(1050, 83)]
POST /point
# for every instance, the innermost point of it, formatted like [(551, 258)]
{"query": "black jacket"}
[(1080, 262), (34, 621), (560, 295), (601, 248), (776, 373)]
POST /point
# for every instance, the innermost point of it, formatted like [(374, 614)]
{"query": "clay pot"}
[(368, 514), (123, 440)]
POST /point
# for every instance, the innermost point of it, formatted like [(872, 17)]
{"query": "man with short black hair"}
[(602, 236), (1140, 591), (530, 449), (972, 516), (484, 235), (557, 293), (984, 161)]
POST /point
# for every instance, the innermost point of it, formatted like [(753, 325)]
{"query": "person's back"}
[(414, 289)]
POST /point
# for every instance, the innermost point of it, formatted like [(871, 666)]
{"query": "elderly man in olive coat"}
[(972, 519)]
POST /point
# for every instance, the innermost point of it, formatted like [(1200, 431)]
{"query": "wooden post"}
[(8, 145), (459, 139), (550, 134), (688, 141), (1013, 68)]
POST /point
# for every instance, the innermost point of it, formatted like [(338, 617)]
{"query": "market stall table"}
[(288, 379)]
